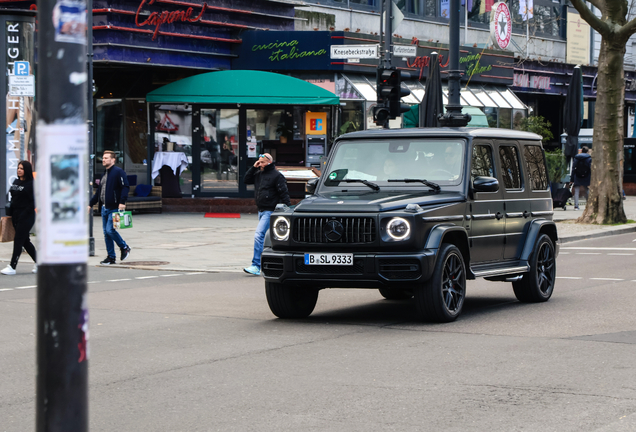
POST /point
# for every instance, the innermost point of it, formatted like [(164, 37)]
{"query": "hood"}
[(374, 201)]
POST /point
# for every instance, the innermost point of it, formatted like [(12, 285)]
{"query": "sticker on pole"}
[(69, 19), (501, 25), (61, 194)]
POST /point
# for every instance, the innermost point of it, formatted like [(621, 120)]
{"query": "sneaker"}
[(108, 261), (8, 270), (253, 270), (125, 253), (35, 269)]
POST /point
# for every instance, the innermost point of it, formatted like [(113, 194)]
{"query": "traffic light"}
[(390, 91)]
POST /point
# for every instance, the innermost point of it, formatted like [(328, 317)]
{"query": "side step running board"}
[(501, 271)]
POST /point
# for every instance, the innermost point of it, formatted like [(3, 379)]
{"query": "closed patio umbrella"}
[(573, 114), (432, 105)]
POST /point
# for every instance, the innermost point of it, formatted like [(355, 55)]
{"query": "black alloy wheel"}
[(290, 301), (537, 285), (441, 298)]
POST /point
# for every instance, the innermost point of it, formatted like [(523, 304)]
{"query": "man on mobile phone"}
[(270, 188)]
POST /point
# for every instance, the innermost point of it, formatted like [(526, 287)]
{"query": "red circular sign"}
[(501, 25)]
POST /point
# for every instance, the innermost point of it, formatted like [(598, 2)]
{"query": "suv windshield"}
[(436, 160)]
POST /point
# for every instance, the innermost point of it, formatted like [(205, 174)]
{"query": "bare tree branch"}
[(596, 23), (627, 30)]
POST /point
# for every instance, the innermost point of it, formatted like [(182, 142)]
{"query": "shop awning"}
[(244, 87), (359, 87)]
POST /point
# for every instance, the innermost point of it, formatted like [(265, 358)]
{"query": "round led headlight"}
[(281, 228), (398, 228)]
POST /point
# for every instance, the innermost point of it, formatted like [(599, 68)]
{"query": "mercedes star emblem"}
[(333, 230)]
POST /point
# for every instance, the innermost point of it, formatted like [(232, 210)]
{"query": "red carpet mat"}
[(223, 215)]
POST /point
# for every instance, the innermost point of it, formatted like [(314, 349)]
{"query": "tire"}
[(396, 294), (441, 298), (537, 285), (289, 301)]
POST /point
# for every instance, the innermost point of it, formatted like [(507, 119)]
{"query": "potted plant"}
[(284, 132), (557, 166)]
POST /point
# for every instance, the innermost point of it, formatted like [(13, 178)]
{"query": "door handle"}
[(526, 214), (499, 215)]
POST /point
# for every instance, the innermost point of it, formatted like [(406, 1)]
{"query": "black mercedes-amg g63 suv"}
[(415, 213)]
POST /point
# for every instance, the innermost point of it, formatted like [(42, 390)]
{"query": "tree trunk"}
[(605, 202)]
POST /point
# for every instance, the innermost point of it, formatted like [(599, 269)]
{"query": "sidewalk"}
[(191, 242)]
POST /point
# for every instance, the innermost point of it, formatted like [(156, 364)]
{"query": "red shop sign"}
[(157, 19)]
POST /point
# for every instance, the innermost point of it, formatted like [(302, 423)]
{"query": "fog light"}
[(281, 228), (398, 228)]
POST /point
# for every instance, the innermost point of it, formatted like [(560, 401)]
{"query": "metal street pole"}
[(90, 122), (388, 36), (453, 116), (62, 149)]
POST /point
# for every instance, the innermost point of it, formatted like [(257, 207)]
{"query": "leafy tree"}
[(605, 204), (538, 125)]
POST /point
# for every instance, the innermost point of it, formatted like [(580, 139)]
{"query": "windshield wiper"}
[(432, 185), (364, 182)]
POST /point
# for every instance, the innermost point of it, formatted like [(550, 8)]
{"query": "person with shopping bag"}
[(112, 195), (22, 216)]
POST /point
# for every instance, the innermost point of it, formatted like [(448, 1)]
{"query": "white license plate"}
[(328, 259)]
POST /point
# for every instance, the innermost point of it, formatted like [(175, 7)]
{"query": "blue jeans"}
[(259, 236), (110, 234)]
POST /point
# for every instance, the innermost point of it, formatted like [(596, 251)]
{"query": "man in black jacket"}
[(270, 188), (112, 194)]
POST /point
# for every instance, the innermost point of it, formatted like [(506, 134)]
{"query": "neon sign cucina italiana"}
[(277, 53)]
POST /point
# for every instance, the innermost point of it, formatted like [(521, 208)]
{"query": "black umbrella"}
[(573, 114), (432, 105)]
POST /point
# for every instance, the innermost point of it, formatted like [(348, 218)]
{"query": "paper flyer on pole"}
[(62, 176)]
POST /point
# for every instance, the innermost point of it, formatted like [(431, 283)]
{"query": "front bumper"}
[(369, 270)]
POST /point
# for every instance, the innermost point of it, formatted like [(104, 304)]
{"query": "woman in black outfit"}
[(22, 215)]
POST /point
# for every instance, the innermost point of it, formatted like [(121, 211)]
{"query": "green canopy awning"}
[(244, 87)]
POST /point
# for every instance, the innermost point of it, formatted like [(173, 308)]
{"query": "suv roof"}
[(448, 132)]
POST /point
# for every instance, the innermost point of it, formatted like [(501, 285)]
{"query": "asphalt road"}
[(202, 352)]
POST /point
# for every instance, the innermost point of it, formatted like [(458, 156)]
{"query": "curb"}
[(597, 234)]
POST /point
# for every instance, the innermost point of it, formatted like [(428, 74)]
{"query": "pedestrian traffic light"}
[(390, 92)]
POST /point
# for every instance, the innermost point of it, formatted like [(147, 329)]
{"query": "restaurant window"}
[(505, 118), (173, 133), (109, 132), (491, 116), (352, 117), (136, 142)]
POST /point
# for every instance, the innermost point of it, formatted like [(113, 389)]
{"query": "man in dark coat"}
[(581, 174), (270, 188), (112, 194)]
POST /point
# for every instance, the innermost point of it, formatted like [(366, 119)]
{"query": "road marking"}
[(568, 277), (118, 280), (564, 253), (620, 254), (607, 279), (588, 253), (170, 275), (599, 248), (26, 287), (6, 289), (146, 277), (195, 273)]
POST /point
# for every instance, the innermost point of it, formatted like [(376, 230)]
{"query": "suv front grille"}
[(400, 268), (314, 230)]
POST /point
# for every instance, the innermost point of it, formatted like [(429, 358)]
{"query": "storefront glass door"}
[(218, 154)]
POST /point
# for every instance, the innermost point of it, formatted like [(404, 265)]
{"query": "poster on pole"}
[(19, 105), (61, 194)]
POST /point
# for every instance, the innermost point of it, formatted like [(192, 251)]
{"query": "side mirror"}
[(485, 184), (310, 186)]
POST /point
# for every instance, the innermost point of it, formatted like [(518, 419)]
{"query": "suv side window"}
[(536, 167), (482, 162), (511, 171)]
